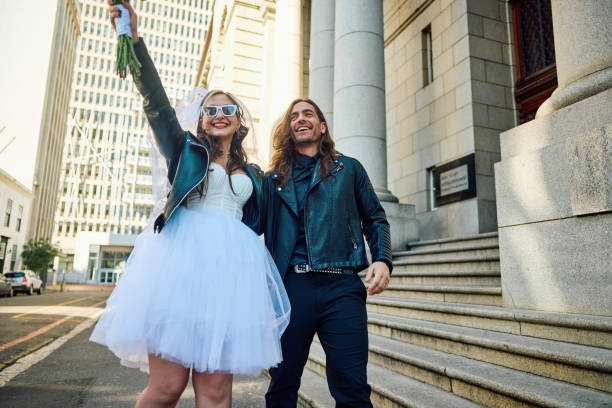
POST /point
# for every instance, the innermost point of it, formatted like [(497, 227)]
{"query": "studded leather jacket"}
[(339, 210)]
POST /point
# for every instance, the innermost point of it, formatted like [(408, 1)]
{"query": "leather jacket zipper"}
[(352, 236), (196, 184)]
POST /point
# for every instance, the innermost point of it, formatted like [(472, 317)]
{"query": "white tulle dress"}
[(204, 292)]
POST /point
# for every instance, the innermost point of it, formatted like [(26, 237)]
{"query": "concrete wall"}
[(462, 111)]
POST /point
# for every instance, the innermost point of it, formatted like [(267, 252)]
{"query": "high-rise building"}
[(53, 121), (105, 190), (35, 93)]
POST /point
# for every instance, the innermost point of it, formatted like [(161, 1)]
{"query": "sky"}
[(26, 30)]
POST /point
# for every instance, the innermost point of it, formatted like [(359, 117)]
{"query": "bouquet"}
[(126, 57)]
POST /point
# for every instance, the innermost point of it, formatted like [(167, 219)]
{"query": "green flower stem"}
[(126, 57)]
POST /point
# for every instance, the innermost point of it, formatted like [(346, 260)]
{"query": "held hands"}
[(380, 272), (116, 12)]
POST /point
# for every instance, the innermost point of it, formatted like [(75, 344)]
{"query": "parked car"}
[(6, 287), (25, 281)]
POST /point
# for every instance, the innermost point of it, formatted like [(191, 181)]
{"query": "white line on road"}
[(78, 311), (28, 361)]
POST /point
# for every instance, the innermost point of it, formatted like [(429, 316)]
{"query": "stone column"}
[(321, 75), (359, 88), (287, 83), (359, 105), (583, 51)]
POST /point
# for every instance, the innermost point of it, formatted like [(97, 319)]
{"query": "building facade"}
[(105, 186), (430, 88), (53, 121), (35, 89), (15, 207), (258, 51), (449, 68)]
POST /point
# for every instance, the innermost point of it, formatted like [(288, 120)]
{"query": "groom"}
[(316, 207)]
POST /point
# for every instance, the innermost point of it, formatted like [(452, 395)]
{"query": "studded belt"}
[(306, 268)]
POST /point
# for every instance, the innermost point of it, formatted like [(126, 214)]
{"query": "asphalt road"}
[(78, 373)]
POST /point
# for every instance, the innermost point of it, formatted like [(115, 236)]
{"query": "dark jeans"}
[(333, 306)]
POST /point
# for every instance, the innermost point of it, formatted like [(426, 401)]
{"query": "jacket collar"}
[(337, 165), (287, 193)]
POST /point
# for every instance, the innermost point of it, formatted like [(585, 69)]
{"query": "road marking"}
[(29, 312), (92, 311), (47, 307), (28, 361), (35, 333), (16, 357)]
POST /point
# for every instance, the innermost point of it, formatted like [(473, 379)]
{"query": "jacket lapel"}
[(287, 194)]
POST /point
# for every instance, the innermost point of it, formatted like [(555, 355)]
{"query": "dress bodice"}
[(219, 195)]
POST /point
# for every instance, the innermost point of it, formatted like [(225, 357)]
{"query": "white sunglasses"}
[(212, 110)]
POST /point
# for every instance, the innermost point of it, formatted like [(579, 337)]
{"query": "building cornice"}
[(12, 180), (267, 10), (409, 19)]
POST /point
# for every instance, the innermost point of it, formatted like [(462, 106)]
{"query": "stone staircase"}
[(440, 337)]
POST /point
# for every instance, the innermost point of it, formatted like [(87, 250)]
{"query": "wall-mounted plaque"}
[(455, 181)]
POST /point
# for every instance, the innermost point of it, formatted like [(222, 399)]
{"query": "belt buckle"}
[(298, 268)]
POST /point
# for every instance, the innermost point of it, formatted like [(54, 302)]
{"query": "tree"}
[(37, 255)]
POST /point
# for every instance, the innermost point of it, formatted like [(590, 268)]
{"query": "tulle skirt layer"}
[(204, 293)]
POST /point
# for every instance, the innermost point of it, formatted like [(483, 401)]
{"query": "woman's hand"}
[(115, 12)]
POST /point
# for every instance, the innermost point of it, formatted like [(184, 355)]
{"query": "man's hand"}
[(115, 12), (382, 276)]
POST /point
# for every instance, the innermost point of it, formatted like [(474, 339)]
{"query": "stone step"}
[(468, 279), (482, 295), (573, 363), (489, 238), (391, 389), (477, 265), (448, 255), (484, 383), (572, 328), (313, 392)]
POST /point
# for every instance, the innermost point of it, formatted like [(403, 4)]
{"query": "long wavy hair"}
[(284, 145), (237, 154)]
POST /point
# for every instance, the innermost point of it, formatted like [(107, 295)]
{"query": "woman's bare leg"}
[(212, 390), (167, 381)]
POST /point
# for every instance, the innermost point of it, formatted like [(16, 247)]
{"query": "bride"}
[(200, 293)]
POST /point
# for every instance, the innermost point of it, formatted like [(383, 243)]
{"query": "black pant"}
[(333, 306)]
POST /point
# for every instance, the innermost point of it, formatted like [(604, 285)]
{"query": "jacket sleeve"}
[(168, 134), (252, 212), (373, 218)]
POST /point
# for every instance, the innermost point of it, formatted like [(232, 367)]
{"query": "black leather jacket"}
[(339, 210), (187, 156)]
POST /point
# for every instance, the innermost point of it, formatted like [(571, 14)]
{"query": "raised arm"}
[(168, 133)]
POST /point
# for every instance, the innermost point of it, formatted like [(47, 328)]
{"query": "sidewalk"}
[(81, 287)]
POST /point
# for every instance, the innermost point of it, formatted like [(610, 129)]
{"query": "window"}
[(19, 217), (535, 55), (9, 208), (427, 55)]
